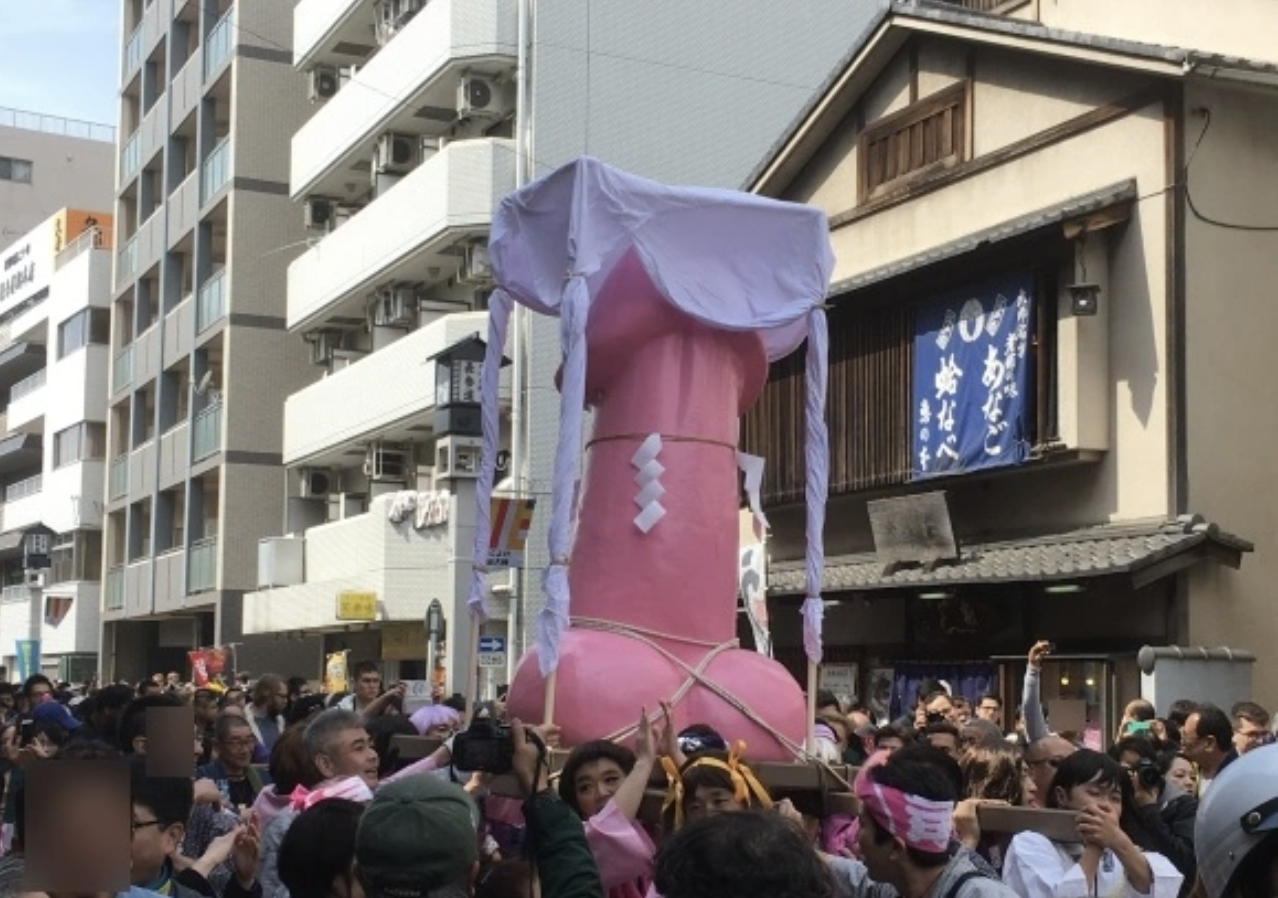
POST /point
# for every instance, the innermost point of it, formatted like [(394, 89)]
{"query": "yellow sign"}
[(404, 641), (511, 519), (335, 674), (354, 604)]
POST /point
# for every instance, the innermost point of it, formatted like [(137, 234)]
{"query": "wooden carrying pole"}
[(548, 715), (812, 700)]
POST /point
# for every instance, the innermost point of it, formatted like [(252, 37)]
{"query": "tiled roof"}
[(1093, 552)]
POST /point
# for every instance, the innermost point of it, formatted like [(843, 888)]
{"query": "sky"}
[(61, 57)]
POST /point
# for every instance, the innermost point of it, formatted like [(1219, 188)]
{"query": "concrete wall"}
[(1230, 321), (67, 172)]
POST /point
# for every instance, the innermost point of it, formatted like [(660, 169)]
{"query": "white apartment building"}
[(419, 128), (55, 300), (48, 163), (201, 361)]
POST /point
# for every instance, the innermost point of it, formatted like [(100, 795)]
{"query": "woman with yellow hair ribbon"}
[(709, 784)]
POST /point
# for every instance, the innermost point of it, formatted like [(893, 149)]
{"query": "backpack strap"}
[(952, 891)]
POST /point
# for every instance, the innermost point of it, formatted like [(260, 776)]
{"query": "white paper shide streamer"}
[(648, 480), (817, 457), (499, 305)]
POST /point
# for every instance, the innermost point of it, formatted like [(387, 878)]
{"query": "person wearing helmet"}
[(1236, 834)]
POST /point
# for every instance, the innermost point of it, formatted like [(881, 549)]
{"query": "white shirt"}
[(1037, 867)]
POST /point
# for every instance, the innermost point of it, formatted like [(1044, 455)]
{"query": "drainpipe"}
[(514, 616)]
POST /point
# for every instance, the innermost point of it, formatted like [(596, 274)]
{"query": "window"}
[(84, 327), (18, 170), (79, 442), (77, 556), (925, 136)]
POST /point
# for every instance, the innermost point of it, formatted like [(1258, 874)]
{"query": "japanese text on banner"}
[(972, 378)]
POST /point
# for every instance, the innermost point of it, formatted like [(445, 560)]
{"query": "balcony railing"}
[(201, 573), (133, 52), (92, 238), (24, 488), (122, 369), (28, 385), (990, 6), (18, 592), (208, 432), (220, 41), (217, 169), (119, 477), (212, 303), (128, 261), (113, 590), (131, 156)]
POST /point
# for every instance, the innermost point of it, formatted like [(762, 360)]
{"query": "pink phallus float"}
[(672, 302)]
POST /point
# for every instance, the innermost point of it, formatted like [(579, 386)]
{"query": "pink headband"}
[(919, 822), (352, 787)]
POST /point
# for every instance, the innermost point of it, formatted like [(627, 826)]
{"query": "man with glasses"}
[(990, 708), (1251, 727), (237, 780), (1043, 757)]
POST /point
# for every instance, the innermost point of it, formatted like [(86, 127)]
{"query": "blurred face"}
[(1183, 774), (962, 713), (1029, 788), (1196, 747), (989, 709), (278, 700), (1104, 797), (946, 742), (236, 750), (708, 801), (235, 697), (943, 706), (595, 783), (40, 692), (1042, 759), (441, 730), (351, 753), (877, 857), (152, 844), (890, 744), (1248, 735), (368, 687)]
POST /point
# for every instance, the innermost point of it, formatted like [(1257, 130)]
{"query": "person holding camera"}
[(1161, 815)]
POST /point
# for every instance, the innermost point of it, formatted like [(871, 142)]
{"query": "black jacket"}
[(1168, 828)]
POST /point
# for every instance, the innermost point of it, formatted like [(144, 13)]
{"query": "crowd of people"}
[(281, 793)]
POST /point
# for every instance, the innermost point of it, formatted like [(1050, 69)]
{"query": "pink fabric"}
[(919, 822), (268, 805), (352, 788), (839, 833), (425, 765), (623, 852)]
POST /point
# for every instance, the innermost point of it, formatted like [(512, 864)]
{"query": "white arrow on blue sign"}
[(492, 643)]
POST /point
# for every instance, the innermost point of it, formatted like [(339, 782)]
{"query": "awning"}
[(1143, 552)]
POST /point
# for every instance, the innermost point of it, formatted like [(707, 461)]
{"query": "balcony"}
[(118, 479), (126, 262), (23, 489), (202, 569), (212, 302), (405, 233), (365, 552), (187, 87), (18, 592), (208, 432), (184, 208), (169, 591), (122, 369), (27, 403), (113, 590), (378, 396), (221, 40), (217, 170), (419, 69), (321, 26), (133, 53), (23, 504), (131, 157)]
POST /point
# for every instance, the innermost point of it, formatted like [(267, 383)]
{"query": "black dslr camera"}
[(487, 747), (1148, 773)]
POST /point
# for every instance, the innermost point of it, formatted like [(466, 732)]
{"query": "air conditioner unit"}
[(324, 82), (319, 213), (479, 96), (395, 307), (35, 578), (384, 463), (316, 483), (396, 153), (323, 343), (476, 268)]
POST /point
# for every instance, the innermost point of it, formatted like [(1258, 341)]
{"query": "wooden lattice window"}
[(925, 136)]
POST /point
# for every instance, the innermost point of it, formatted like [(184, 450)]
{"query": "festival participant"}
[(1184, 773), (266, 713), (604, 783), (1162, 815), (1110, 863), (1044, 757), (1207, 740), (289, 768), (907, 809), (709, 784), (317, 854), (237, 780), (368, 698)]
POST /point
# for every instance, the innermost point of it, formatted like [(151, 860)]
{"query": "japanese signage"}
[(206, 664), (971, 378), (18, 274), (511, 519), (353, 604), (335, 673)]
